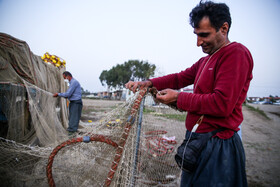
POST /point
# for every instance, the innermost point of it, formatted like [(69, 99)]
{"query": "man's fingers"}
[(135, 86), (162, 93), (129, 84)]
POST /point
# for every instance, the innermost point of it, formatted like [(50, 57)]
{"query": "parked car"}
[(265, 102), (262, 102)]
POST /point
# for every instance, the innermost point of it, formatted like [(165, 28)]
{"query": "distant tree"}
[(85, 92), (272, 99), (120, 74)]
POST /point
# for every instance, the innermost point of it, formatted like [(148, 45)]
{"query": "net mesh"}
[(130, 145)]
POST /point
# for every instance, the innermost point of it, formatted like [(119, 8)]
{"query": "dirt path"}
[(261, 142), (260, 138)]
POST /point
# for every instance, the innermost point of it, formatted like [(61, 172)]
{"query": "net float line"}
[(128, 125), (86, 139)]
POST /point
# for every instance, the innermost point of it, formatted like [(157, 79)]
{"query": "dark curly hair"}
[(218, 14)]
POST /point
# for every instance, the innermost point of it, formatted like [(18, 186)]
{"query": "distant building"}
[(253, 99)]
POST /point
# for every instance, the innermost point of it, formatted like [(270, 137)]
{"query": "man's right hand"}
[(133, 86)]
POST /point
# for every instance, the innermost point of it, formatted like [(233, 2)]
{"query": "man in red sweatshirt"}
[(221, 81)]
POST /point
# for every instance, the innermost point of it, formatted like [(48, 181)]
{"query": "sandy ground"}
[(260, 138), (261, 143)]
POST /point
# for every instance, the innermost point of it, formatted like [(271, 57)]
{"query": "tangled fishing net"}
[(128, 147)]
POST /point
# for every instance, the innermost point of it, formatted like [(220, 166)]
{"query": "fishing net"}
[(27, 83), (131, 145)]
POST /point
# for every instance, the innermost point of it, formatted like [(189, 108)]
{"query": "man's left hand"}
[(55, 95), (167, 96)]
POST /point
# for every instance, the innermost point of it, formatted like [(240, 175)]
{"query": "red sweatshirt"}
[(221, 82)]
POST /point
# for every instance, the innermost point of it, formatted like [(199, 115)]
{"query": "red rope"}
[(95, 137), (158, 146), (156, 132), (125, 134), (101, 138)]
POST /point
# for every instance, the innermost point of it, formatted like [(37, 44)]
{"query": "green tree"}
[(272, 99), (85, 92), (120, 74)]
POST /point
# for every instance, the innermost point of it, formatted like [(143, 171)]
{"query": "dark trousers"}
[(75, 112), (221, 163)]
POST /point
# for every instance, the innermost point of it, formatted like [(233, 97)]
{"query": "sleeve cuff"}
[(183, 101), (179, 101)]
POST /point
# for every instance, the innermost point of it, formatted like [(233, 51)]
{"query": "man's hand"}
[(133, 86), (167, 96), (55, 95)]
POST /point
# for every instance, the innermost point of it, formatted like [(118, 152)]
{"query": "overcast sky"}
[(95, 35)]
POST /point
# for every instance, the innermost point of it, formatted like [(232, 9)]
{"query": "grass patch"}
[(115, 106), (91, 110), (258, 111), (178, 117), (275, 113), (148, 111)]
